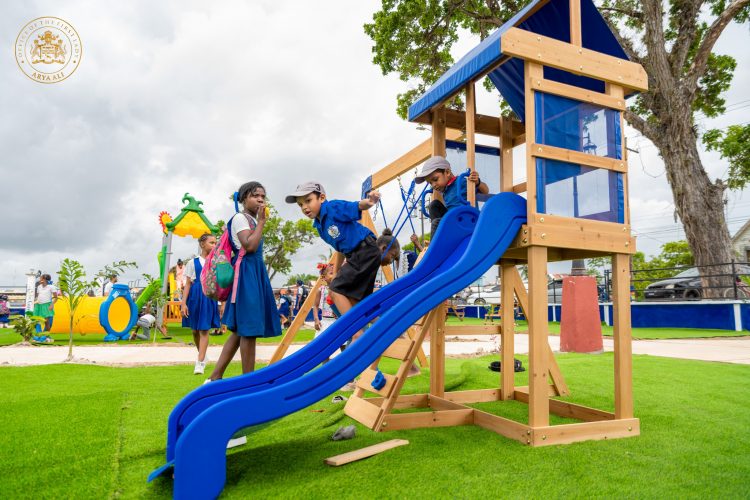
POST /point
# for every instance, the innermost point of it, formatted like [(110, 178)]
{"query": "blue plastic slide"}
[(466, 244)]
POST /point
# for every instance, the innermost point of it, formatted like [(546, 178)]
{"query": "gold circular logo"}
[(48, 50)]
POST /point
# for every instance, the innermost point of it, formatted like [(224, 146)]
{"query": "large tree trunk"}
[(699, 203)]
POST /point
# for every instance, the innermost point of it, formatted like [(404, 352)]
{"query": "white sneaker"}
[(207, 381), (200, 367), (238, 441)]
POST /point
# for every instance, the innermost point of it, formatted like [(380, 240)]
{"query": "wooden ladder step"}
[(365, 382), (399, 349), (362, 410)]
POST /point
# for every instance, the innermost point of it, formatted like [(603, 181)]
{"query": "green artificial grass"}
[(638, 333), (94, 432), (179, 335)]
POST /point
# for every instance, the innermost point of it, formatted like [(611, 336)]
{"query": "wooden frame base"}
[(452, 410)]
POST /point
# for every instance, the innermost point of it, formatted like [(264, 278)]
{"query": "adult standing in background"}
[(179, 277), (108, 285), (46, 296)]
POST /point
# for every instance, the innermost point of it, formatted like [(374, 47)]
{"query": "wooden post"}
[(437, 330), (538, 338), (471, 109), (531, 71), (622, 336), (437, 352), (575, 22), (507, 332), (438, 132), (506, 154)]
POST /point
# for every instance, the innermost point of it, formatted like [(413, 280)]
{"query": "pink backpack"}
[(218, 277)]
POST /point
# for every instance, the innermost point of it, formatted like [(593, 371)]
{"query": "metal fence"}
[(727, 281)]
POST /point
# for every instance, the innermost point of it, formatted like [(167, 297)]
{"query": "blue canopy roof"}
[(544, 17)]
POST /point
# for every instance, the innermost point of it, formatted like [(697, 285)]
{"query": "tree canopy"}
[(672, 39)]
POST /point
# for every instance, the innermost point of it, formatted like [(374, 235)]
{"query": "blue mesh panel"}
[(486, 158), (571, 190), (580, 126)]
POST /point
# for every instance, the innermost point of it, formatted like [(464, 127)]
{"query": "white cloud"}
[(175, 97)]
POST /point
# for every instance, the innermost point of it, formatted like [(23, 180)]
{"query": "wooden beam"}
[(484, 124), (622, 336), (519, 188), (437, 403), (567, 409), (556, 54), (579, 94), (582, 225), (503, 426), (369, 451), (552, 235), (473, 396), (298, 321), (471, 110), (585, 431), (575, 22), (443, 418), (472, 330), (409, 160), (570, 156), (404, 401), (538, 338)]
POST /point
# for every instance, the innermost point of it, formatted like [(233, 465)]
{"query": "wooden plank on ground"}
[(369, 451)]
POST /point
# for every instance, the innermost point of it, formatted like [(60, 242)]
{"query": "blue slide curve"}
[(466, 244)]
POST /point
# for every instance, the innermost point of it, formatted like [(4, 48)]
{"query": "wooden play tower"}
[(567, 81)]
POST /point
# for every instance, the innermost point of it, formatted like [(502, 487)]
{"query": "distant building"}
[(741, 242)]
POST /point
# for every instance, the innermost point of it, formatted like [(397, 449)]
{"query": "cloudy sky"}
[(199, 97)]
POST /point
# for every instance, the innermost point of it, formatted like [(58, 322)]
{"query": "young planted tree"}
[(673, 40), (74, 286), (26, 326)]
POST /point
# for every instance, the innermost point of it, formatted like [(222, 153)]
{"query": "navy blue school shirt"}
[(455, 193), (337, 223)]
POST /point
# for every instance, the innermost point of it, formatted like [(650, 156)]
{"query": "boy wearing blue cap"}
[(448, 191), (337, 222)]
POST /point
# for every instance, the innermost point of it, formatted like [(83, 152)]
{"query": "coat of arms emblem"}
[(333, 232), (48, 49)]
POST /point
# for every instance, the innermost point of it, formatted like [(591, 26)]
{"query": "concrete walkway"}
[(728, 350)]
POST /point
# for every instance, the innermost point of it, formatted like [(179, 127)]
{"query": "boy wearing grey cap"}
[(449, 191), (337, 222)]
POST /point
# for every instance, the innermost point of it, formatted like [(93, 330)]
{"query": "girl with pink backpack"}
[(250, 311)]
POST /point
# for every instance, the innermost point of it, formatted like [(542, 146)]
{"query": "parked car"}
[(489, 295), (686, 285)]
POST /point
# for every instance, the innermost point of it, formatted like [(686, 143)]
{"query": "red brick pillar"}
[(580, 326)]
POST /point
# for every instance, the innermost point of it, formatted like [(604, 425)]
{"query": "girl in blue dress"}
[(250, 312), (199, 313)]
